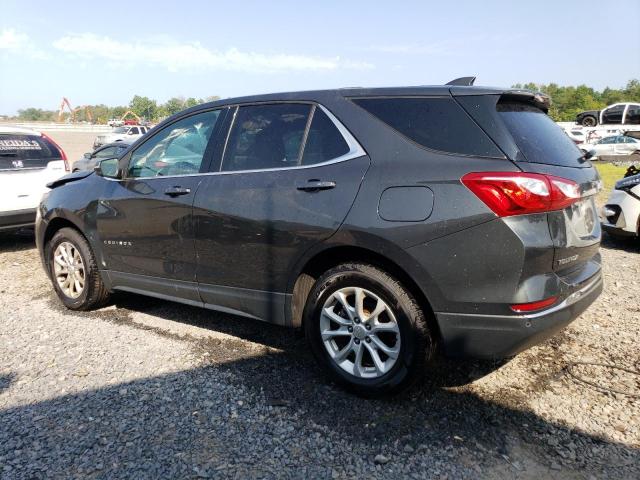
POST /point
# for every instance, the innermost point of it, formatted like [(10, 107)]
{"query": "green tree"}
[(36, 115), (144, 107), (173, 105), (192, 102)]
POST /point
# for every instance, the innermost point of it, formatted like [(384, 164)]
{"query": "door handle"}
[(176, 191), (315, 185)]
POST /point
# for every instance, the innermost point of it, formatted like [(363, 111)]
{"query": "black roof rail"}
[(462, 81)]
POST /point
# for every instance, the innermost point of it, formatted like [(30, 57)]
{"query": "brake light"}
[(533, 306), (518, 193), (62, 154)]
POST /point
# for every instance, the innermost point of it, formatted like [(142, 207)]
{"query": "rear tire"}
[(375, 350), (74, 272)]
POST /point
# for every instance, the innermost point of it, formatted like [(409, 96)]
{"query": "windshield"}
[(121, 130), (538, 137)]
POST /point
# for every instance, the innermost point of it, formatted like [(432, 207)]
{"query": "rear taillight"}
[(62, 154), (533, 306), (517, 193)]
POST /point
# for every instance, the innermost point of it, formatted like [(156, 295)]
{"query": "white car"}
[(28, 161), (613, 145), (115, 122), (127, 132), (621, 213)]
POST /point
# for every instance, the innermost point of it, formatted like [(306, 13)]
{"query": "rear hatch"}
[(518, 123), (27, 164)]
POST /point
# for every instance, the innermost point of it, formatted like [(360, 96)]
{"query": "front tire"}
[(366, 330), (74, 272), (589, 121)]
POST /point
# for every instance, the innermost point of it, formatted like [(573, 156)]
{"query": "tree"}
[(144, 107), (36, 115), (192, 102), (173, 105)]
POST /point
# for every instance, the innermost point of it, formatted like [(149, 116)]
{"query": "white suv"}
[(28, 161), (127, 132)]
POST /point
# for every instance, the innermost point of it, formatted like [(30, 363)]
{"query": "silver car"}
[(90, 159), (613, 145)]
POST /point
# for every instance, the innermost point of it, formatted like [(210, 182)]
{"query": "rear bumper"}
[(17, 219), (500, 336)]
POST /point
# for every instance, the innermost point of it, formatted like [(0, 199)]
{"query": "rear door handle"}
[(315, 185), (176, 191)]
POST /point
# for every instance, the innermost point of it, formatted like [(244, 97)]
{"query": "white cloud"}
[(14, 42), (176, 56)]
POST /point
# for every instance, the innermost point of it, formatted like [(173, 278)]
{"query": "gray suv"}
[(387, 223)]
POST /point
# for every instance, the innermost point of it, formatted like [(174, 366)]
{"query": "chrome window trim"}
[(355, 149)]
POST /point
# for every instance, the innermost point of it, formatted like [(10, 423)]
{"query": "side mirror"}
[(129, 132), (87, 155), (108, 168), (590, 154)]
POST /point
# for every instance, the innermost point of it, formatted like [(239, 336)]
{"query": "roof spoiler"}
[(462, 81), (539, 99)]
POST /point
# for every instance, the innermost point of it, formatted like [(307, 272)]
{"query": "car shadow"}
[(440, 412), (630, 244), (23, 239), (177, 424)]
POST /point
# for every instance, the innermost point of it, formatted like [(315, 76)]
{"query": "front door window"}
[(178, 149)]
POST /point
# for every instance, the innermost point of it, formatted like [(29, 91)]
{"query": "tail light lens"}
[(517, 193), (62, 154), (533, 306)]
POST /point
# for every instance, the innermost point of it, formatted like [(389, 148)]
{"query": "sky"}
[(106, 52)]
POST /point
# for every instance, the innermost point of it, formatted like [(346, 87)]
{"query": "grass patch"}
[(610, 174)]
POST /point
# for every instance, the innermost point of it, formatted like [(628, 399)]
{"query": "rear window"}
[(538, 137), (26, 151), (436, 123)]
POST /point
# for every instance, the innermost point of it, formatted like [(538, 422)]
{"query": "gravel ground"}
[(150, 389)]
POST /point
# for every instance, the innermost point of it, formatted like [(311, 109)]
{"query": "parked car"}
[(383, 222), (618, 113), (129, 133), (613, 145), (28, 161), (578, 136), (115, 122), (621, 214), (110, 150)]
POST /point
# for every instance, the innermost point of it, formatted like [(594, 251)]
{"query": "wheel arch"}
[(330, 257), (53, 226)]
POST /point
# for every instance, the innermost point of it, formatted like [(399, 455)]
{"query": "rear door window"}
[(18, 151), (437, 123), (538, 137), (266, 136)]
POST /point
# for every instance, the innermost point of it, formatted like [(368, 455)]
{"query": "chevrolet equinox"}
[(383, 222)]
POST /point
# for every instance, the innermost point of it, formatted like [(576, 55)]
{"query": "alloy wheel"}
[(360, 332), (69, 270)]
